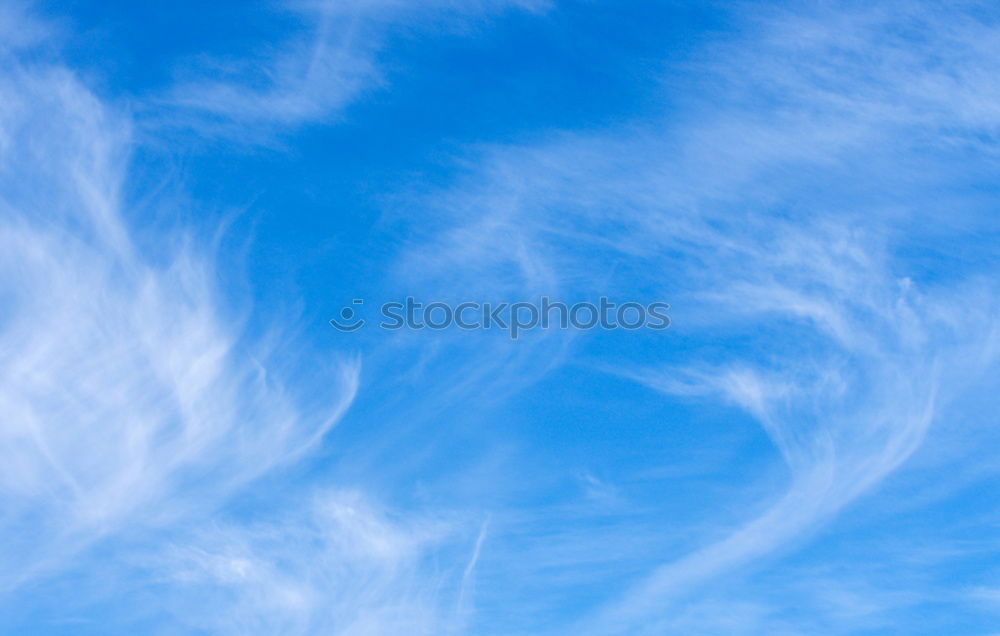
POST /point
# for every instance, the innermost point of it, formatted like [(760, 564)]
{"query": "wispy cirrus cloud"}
[(814, 208), (130, 395), (338, 564), (321, 69), (139, 411), (782, 211)]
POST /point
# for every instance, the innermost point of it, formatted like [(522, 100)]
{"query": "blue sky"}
[(190, 192)]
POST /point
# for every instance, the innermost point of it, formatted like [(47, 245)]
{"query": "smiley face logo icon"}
[(347, 321)]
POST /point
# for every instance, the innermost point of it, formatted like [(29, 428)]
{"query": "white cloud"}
[(317, 72), (129, 394), (132, 400), (779, 217), (338, 565)]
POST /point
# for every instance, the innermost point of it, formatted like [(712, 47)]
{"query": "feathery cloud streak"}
[(127, 386), (781, 211)]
